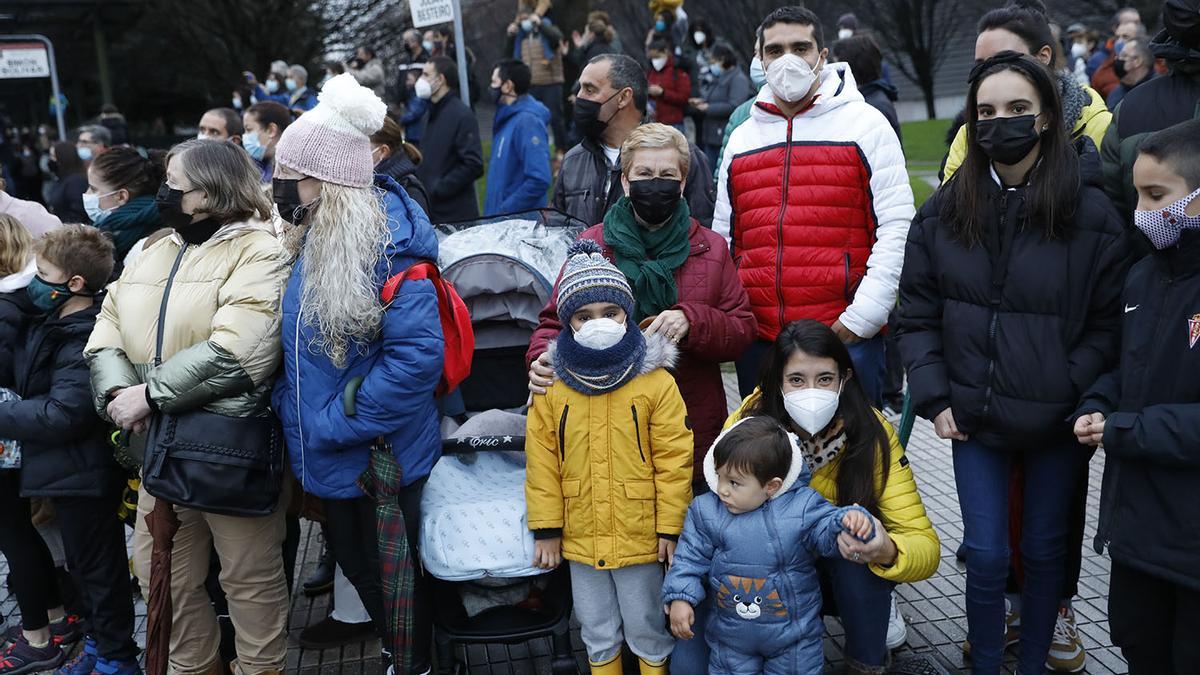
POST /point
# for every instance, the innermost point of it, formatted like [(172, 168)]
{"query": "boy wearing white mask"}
[(609, 464), (814, 199)]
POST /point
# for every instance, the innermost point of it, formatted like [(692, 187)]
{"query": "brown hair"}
[(67, 159), (391, 134), (80, 250), (16, 245), (126, 168), (227, 175)]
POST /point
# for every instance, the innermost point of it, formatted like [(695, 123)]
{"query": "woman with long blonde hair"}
[(357, 388)]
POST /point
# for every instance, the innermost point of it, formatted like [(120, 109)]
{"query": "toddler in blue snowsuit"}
[(752, 542)]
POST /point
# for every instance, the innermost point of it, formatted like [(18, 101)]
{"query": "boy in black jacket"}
[(1146, 415), (66, 457)]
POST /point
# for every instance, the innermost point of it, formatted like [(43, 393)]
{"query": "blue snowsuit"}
[(760, 567)]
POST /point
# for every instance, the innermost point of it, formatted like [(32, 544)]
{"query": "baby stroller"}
[(475, 541)]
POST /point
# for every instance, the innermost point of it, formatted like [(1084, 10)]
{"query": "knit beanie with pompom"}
[(588, 277), (332, 142)]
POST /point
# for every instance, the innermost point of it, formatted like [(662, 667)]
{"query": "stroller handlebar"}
[(452, 446)]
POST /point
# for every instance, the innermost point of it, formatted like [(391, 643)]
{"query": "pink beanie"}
[(332, 142)]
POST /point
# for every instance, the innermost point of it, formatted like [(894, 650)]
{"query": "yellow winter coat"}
[(221, 344), (1093, 122), (612, 471), (900, 508)]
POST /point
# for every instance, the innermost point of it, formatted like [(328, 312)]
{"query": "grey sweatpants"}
[(621, 604)]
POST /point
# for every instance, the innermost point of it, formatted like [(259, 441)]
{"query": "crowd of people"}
[(217, 340)]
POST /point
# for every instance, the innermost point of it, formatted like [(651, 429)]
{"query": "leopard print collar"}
[(825, 446)]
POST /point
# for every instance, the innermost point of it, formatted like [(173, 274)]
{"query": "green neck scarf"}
[(648, 259)]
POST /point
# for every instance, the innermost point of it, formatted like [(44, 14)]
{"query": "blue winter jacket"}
[(761, 567), (518, 175), (329, 450)]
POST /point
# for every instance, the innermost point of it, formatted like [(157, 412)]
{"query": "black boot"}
[(329, 633), (321, 581)]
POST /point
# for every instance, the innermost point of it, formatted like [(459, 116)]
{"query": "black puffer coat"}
[(15, 309), (1010, 333), (64, 446), (1148, 515)]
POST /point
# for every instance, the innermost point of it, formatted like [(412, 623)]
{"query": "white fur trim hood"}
[(793, 474)]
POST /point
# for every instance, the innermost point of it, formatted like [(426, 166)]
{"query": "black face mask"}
[(1119, 68), (587, 117), (53, 166), (496, 95), (654, 199), (1007, 140), (169, 202), (286, 193)]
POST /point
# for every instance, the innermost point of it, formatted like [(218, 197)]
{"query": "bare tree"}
[(917, 35)]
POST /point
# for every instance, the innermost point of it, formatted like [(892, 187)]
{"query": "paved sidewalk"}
[(933, 608)]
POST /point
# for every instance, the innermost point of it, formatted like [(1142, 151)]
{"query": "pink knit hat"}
[(332, 141)]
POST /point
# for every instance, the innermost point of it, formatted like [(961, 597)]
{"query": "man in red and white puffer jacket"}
[(813, 197)]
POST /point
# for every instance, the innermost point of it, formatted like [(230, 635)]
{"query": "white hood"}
[(794, 471), (15, 282)]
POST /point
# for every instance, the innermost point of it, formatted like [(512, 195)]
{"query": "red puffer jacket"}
[(816, 208), (721, 327)]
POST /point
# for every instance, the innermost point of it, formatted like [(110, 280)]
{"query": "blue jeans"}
[(849, 590), (981, 475), (867, 356)]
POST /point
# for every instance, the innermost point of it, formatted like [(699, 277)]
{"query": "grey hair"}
[(297, 69), (624, 72), (100, 134), (227, 175), (1141, 48)]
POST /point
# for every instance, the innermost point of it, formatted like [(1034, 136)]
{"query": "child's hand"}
[(858, 524), (880, 549), (682, 617), (547, 553), (666, 551), (1089, 429)]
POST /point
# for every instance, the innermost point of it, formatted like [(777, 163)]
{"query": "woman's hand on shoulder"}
[(541, 374), (672, 323)]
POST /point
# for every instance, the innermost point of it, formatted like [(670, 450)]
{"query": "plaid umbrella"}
[(381, 481), (163, 523)]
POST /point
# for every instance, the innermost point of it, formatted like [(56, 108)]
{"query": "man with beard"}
[(357, 387), (610, 104)]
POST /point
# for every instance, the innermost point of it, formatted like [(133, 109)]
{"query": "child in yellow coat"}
[(609, 464)]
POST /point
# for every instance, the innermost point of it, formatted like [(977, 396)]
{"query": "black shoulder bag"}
[(231, 466)]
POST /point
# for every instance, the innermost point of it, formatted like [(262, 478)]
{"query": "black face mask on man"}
[(1007, 140), (286, 193), (169, 203), (587, 117), (654, 199)]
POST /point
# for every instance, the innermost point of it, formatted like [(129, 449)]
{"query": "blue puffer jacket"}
[(328, 449), (519, 172), (760, 566)]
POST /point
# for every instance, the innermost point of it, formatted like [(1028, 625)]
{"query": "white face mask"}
[(812, 409), (845, 33), (659, 63), (757, 77), (91, 205), (423, 89), (791, 78), (699, 37), (1079, 50), (600, 334)]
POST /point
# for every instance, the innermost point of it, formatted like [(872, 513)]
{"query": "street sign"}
[(431, 12), (23, 59)]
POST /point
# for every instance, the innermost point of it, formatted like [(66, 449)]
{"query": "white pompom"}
[(356, 104)]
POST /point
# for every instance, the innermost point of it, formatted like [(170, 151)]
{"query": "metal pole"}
[(461, 51), (58, 108)]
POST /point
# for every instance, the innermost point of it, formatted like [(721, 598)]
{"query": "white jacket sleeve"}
[(723, 213), (893, 201)]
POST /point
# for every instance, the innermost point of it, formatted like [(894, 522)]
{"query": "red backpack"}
[(456, 322)]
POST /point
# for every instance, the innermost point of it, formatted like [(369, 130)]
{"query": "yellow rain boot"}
[(647, 668), (609, 667)]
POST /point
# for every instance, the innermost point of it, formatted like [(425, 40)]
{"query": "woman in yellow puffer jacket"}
[(807, 384)]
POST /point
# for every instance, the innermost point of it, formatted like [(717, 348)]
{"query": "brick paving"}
[(933, 608)]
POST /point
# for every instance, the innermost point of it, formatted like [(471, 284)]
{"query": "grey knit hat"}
[(588, 277)]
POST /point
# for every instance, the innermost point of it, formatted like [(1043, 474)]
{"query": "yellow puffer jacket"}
[(221, 343), (900, 508), (1093, 122), (612, 471)]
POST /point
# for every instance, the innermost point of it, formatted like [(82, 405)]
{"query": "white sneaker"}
[(897, 633), (1066, 649)]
